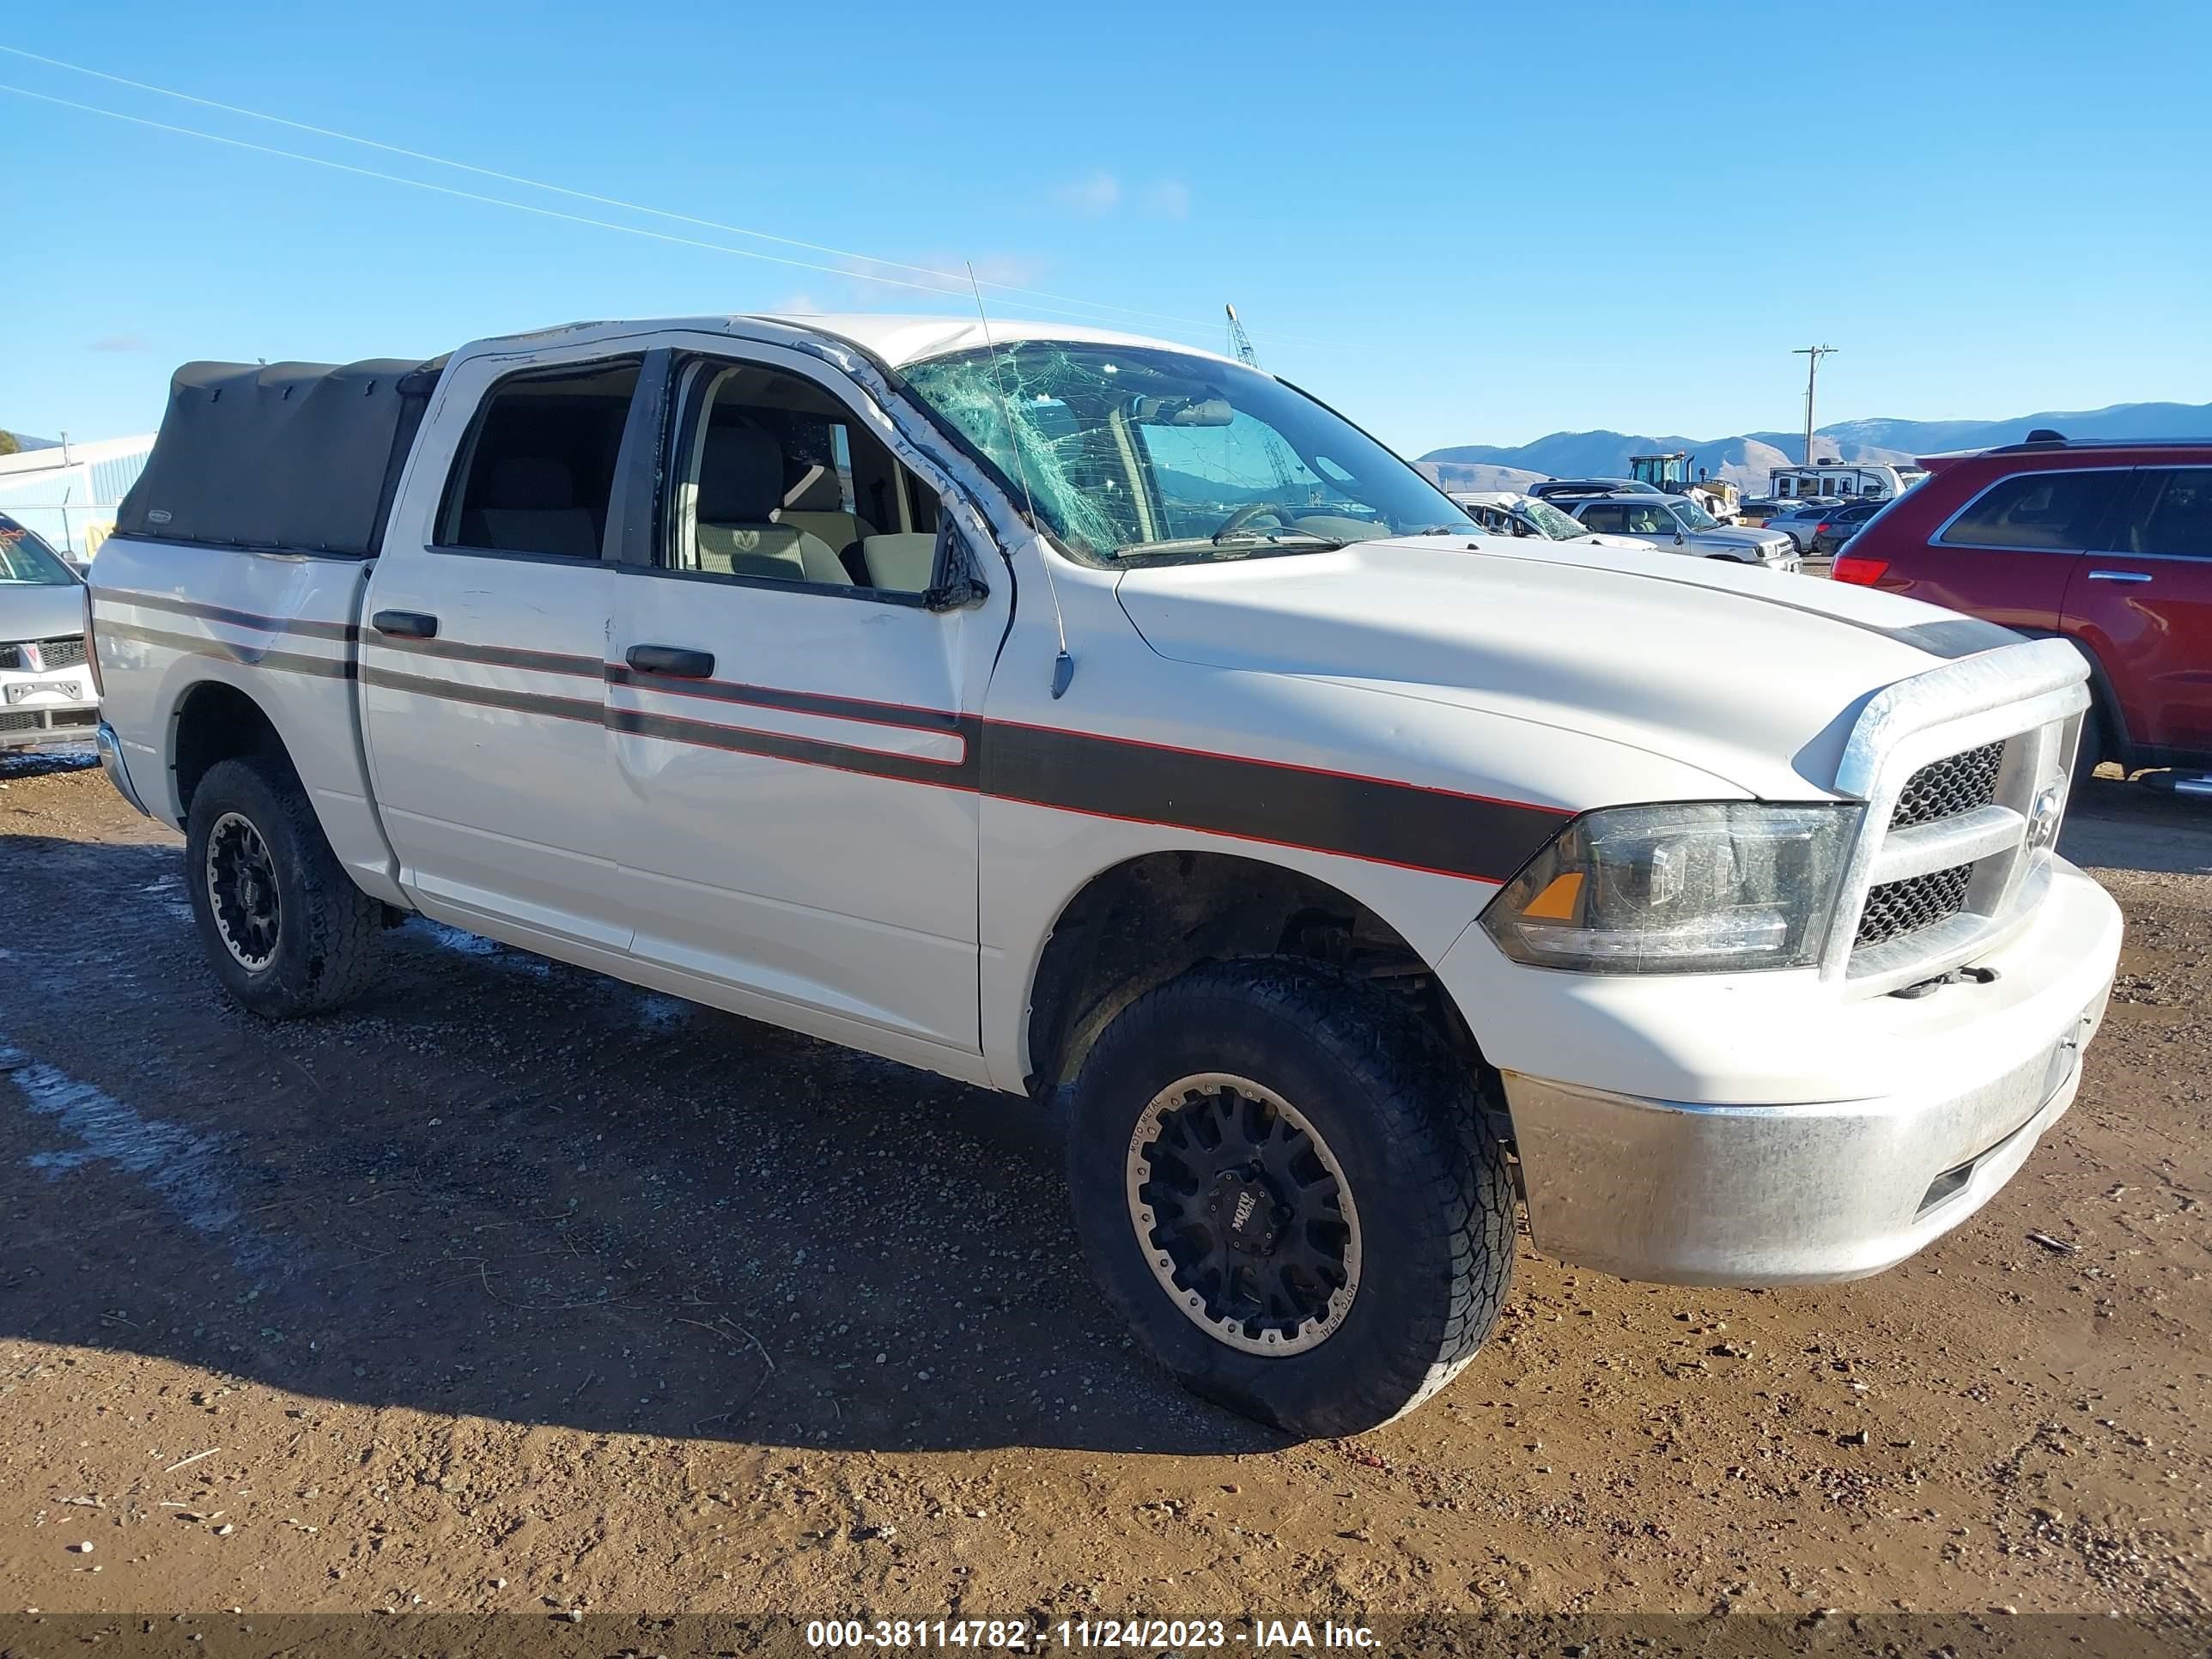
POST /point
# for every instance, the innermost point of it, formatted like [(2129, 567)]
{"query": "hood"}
[(1596, 539), (1751, 677), (35, 611), (1736, 535)]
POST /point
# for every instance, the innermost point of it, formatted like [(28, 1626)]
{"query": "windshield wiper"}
[(1289, 541)]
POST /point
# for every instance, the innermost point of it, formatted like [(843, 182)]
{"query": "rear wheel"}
[(1281, 1183), (286, 930)]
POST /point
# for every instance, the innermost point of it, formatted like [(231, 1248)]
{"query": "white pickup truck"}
[(1106, 722)]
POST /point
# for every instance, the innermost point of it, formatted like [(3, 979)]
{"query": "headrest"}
[(529, 480), (740, 476), (817, 491)]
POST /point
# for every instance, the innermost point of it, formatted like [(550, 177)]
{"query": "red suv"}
[(2109, 544)]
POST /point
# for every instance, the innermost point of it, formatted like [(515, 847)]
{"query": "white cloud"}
[(1168, 199), (129, 340), (1095, 197)]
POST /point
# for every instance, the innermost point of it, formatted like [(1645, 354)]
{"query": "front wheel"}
[(1282, 1183), (286, 930)]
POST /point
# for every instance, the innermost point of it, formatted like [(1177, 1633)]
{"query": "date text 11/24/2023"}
[(1016, 1635)]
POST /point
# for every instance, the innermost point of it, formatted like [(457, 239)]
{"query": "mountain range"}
[(1746, 458)]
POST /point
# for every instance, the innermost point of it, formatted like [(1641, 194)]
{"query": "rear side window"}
[(2170, 514), (2036, 511), (538, 468)]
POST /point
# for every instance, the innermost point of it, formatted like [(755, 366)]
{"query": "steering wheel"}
[(1250, 511)]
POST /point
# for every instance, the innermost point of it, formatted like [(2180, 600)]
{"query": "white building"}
[(69, 493)]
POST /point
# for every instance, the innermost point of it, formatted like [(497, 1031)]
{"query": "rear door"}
[(2142, 600), (482, 650), (2009, 554), (794, 730)]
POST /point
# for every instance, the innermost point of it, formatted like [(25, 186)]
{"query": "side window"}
[(2056, 512), (2170, 514), (1650, 521), (1603, 517), (538, 467), (776, 481)]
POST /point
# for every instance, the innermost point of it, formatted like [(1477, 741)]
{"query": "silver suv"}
[(1676, 522)]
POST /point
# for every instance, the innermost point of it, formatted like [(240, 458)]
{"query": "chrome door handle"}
[(2117, 576)]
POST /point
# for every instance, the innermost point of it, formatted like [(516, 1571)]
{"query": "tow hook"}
[(1956, 976)]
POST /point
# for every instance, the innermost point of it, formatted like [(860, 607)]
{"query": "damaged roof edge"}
[(892, 339)]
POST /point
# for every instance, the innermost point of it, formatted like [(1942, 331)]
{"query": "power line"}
[(956, 280), (518, 206)]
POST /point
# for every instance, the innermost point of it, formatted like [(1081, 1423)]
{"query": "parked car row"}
[(1623, 508), (1503, 513)]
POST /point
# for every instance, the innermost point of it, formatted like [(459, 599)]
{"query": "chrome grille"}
[(1945, 788), (63, 653), (1898, 908)]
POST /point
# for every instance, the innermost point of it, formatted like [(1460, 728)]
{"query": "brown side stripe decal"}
[(496, 656), (587, 709), (1371, 819), (809, 751), (302, 627), (1375, 819), (794, 702), (253, 656)]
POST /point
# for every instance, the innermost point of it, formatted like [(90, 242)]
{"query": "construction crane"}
[(1240, 347)]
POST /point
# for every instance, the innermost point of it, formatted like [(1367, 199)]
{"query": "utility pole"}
[(1812, 354)]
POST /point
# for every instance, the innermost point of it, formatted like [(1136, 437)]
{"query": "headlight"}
[(1685, 887)]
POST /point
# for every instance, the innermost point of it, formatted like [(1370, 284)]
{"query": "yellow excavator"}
[(1670, 473)]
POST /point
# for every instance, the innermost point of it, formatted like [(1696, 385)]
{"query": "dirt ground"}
[(519, 1288)]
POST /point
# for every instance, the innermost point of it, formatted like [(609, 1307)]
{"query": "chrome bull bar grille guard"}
[(2026, 699)]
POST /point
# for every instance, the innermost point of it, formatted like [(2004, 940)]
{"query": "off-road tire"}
[(1397, 1108), (326, 928)]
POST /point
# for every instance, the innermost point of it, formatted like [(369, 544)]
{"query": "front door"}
[(482, 653), (2142, 600), (794, 735)]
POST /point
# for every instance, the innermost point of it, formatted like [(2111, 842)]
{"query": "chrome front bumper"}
[(111, 759), (1787, 1194)]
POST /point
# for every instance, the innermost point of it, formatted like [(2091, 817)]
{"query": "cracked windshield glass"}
[(1135, 455)]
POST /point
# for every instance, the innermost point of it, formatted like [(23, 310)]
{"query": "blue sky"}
[(1472, 222)]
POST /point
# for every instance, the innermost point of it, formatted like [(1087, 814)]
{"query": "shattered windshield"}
[(1136, 453), (1559, 526)]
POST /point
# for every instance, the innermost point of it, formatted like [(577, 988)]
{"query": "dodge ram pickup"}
[(1115, 725)]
